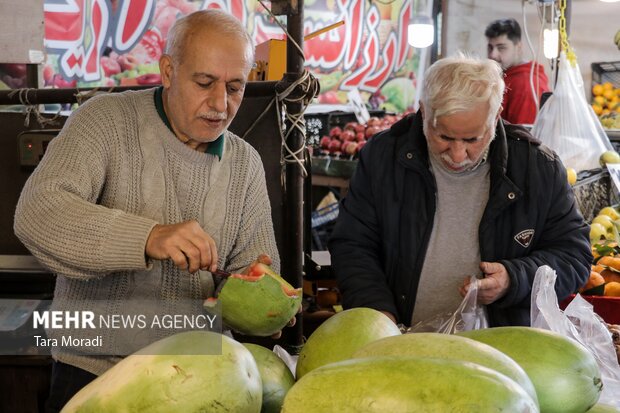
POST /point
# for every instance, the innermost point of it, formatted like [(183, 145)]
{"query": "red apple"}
[(110, 66), (360, 128), (351, 148), (324, 142), (127, 62), (334, 146), (335, 132), (351, 125), (360, 136), (360, 145), (59, 82), (347, 135), (374, 121), (372, 130)]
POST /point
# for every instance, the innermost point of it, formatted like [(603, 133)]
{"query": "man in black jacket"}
[(452, 192)]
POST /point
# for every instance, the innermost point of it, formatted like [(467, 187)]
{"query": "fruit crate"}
[(593, 191), (608, 308), (319, 124), (606, 72)]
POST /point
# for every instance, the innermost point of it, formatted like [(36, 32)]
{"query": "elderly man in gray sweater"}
[(141, 192)]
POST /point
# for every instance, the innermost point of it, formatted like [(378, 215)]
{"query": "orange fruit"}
[(608, 86), (612, 289), (598, 109), (610, 276), (597, 90), (608, 94), (595, 280), (598, 268)]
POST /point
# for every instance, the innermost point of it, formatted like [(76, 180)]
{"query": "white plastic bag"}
[(288, 359), (468, 316), (581, 323), (567, 124)]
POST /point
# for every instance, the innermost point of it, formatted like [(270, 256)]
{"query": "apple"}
[(360, 136), (59, 82), (347, 135), (110, 66), (373, 121), (351, 126), (605, 221), (611, 212), (324, 142), (127, 62), (334, 146), (609, 157), (350, 148), (371, 131), (335, 132), (360, 145), (597, 231), (329, 97)]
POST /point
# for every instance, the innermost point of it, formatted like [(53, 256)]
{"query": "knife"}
[(221, 273)]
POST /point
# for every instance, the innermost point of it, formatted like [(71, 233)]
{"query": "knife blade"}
[(221, 273)]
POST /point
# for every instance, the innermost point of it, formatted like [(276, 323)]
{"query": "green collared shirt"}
[(215, 148)]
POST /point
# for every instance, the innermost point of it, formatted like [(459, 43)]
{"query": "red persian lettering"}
[(131, 23)]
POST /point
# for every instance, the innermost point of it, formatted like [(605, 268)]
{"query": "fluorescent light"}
[(610, 1), (421, 32), (551, 43)]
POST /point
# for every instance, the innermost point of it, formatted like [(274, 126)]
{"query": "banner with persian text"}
[(119, 42)]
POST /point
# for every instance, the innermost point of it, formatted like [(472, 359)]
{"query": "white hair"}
[(455, 84), (224, 24)]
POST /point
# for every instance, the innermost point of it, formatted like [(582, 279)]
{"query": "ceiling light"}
[(421, 32)]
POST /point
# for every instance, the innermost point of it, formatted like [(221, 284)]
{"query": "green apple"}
[(597, 231), (609, 157), (605, 221), (611, 212)]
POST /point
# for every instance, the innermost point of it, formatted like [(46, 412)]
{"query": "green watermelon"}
[(260, 303), (406, 384), (565, 374), (276, 377), (341, 335), (444, 346), (175, 375)]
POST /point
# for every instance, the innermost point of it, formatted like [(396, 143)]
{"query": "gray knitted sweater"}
[(111, 175)]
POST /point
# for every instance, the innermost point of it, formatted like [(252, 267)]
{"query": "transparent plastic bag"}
[(468, 316), (579, 322), (288, 359), (567, 123)]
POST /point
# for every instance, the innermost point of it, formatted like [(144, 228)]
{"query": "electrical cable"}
[(302, 91), (534, 54)]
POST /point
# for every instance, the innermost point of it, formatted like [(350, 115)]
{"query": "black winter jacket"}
[(531, 219)]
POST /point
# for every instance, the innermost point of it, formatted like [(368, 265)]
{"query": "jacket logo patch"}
[(524, 238)]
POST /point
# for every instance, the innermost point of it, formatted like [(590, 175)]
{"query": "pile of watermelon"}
[(357, 361)]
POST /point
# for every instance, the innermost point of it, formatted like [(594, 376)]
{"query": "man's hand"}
[(493, 286), (185, 243), (291, 323)]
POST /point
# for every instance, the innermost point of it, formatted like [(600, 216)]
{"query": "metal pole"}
[(292, 262)]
